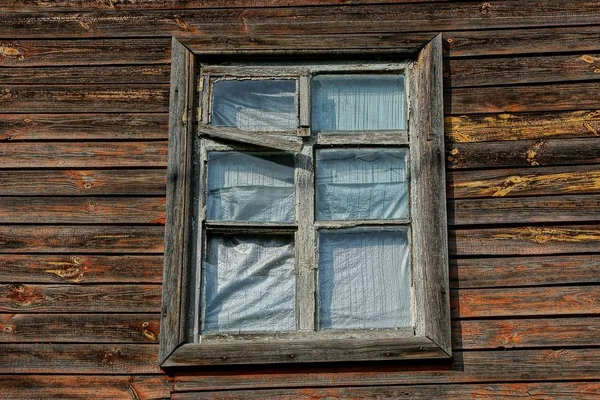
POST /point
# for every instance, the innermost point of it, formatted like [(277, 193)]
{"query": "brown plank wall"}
[(83, 129)]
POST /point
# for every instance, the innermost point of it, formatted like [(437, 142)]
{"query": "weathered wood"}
[(63, 358), (149, 74), (83, 154), (415, 17), (465, 366), (82, 126), (518, 70), (524, 126), (84, 182), (83, 210), (526, 240), (524, 209), (524, 271), (86, 386), (79, 328), (524, 182), (79, 298), (80, 268), (269, 141), (548, 97), (81, 239), (35, 53), (538, 332), (84, 98), (545, 390)]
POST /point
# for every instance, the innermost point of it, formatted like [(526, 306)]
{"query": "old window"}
[(306, 212)]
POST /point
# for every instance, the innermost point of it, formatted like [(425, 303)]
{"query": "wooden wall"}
[(83, 128)]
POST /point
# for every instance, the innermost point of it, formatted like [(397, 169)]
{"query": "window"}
[(306, 211)]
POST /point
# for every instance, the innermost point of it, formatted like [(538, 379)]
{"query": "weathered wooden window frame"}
[(430, 336)]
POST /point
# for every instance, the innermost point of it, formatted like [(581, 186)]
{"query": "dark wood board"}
[(80, 268), (79, 298), (79, 328), (87, 182), (150, 74)]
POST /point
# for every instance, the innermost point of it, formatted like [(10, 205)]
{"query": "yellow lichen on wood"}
[(543, 235)]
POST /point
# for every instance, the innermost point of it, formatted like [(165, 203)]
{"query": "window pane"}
[(358, 103), (255, 105), (249, 284), (250, 186), (361, 184), (364, 279)]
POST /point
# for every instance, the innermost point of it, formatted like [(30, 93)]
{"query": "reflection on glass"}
[(364, 278), (354, 184), (358, 103), (249, 284), (250, 186), (255, 105)]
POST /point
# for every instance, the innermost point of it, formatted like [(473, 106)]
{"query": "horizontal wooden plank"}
[(149, 74), (520, 271), (524, 126), (524, 182), (83, 126), (79, 328), (524, 153), (413, 17), (83, 154), (79, 298), (84, 98), (545, 390), (80, 268), (81, 239), (63, 358), (529, 301), (521, 210), (526, 240), (55, 53), (515, 333), (83, 210), (522, 70), (465, 366), (83, 387), (84, 182), (547, 97)]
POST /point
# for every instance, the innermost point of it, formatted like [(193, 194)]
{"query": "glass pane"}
[(358, 103), (249, 284), (255, 105), (361, 184), (250, 186), (364, 279)]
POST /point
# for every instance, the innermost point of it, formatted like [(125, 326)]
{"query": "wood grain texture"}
[(534, 301), (524, 182), (80, 268), (509, 99), (525, 271), (545, 390), (519, 333), (81, 239), (83, 127), (83, 182), (415, 17), (465, 366), (523, 210), (56, 53), (79, 328), (84, 98), (68, 358), (83, 210), (525, 240), (149, 74), (522, 126), (82, 387), (79, 298)]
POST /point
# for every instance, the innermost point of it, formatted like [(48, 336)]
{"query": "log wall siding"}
[(83, 139)]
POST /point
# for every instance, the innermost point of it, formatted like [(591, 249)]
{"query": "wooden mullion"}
[(361, 223), (393, 138)]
